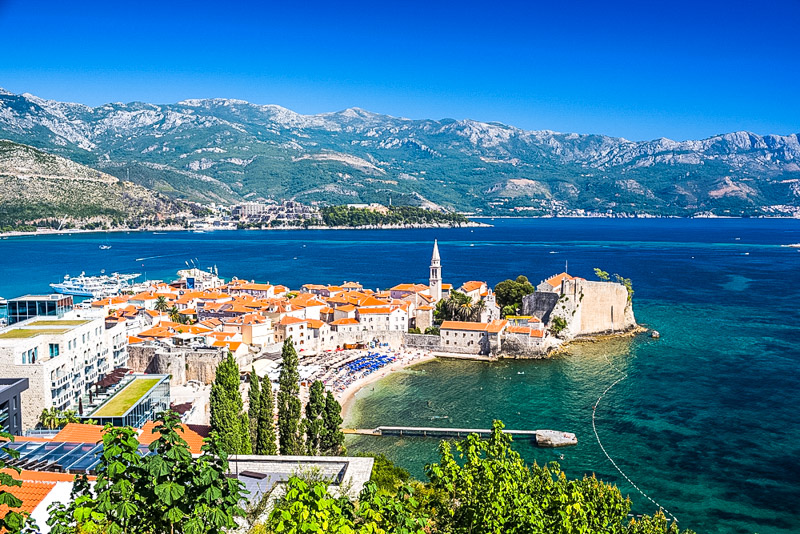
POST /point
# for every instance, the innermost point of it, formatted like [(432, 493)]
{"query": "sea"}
[(702, 422)]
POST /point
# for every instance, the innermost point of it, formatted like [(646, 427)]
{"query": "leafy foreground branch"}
[(478, 487)]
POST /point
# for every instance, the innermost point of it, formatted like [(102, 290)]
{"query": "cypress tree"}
[(227, 417), (254, 408), (266, 421), (313, 423), (332, 439), (289, 403)]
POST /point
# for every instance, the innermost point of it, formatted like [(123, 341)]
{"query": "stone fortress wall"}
[(588, 307)]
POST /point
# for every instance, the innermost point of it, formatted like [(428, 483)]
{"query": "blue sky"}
[(640, 70)]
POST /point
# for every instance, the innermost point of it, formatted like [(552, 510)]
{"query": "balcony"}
[(58, 382)]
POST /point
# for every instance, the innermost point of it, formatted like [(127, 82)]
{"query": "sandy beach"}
[(406, 358)]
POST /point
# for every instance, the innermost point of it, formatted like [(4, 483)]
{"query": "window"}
[(54, 350)]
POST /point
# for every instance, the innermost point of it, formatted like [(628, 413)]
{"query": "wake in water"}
[(610, 459)]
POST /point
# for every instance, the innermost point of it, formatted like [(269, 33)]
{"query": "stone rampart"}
[(422, 341)]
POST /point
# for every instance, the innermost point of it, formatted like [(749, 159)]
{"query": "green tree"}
[(254, 406), (289, 407), (332, 438), (227, 417), (485, 487), (414, 330), (313, 424), (557, 324), (175, 315), (432, 331), (601, 274), (266, 421), (510, 292), (458, 307), (50, 418), (308, 507), (13, 521), (167, 491), (53, 418), (628, 286), (161, 304), (387, 476)]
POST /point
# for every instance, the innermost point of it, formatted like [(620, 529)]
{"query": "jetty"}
[(543, 438)]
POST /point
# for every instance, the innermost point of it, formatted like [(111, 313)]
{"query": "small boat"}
[(105, 247), (654, 334), (520, 372), (3, 302)]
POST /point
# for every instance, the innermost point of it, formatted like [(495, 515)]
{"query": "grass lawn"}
[(20, 333), (123, 400), (68, 322)]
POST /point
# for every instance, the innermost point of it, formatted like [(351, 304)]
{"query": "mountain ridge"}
[(229, 150)]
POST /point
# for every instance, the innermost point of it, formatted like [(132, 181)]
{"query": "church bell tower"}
[(435, 281)]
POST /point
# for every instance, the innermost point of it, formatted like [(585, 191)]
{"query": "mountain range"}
[(225, 151)]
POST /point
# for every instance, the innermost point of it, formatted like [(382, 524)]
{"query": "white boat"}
[(94, 286), (105, 247), (3, 302)]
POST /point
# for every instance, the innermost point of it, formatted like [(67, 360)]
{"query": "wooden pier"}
[(543, 438)]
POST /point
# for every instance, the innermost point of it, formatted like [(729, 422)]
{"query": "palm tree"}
[(175, 314), (50, 419), (161, 304)]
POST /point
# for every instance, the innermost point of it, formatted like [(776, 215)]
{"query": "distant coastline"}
[(45, 232)]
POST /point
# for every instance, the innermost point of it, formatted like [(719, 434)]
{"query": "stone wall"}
[(422, 341), (594, 308), (181, 364), (540, 304), (523, 345)]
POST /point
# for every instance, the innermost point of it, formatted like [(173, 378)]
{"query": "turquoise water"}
[(705, 422)]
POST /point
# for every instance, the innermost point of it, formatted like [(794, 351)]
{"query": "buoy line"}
[(610, 459)]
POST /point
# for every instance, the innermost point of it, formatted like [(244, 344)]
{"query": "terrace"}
[(134, 401), (120, 403), (23, 333)]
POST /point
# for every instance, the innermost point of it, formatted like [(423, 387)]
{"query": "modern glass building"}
[(29, 306), (134, 402), (10, 405)]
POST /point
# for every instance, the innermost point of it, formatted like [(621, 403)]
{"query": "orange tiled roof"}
[(40, 476), (232, 345), (192, 438), (463, 325), (493, 328), (315, 323), (555, 281), (288, 319), (30, 493), (346, 308), (472, 285), (384, 310), (425, 308), (346, 320), (80, 433)]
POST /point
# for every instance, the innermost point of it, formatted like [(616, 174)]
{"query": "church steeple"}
[(435, 282)]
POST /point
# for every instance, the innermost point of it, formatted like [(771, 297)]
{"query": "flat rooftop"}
[(127, 397), (40, 326), (50, 296), (23, 333)]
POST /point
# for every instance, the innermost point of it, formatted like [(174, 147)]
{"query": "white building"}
[(383, 318), (62, 358)]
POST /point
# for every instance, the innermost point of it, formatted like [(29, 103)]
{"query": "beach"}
[(405, 358)]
